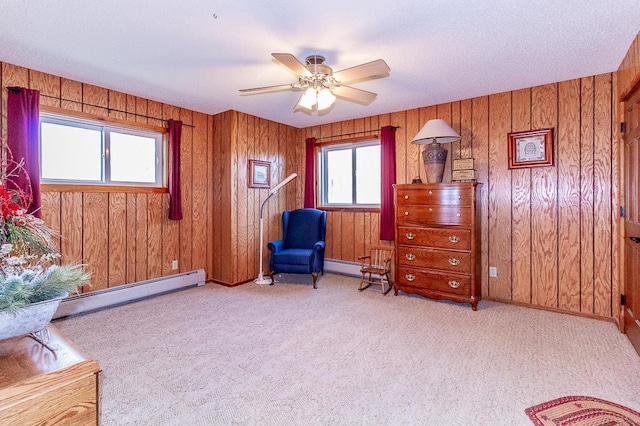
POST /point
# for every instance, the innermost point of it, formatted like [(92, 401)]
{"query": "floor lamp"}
[(261, 278)]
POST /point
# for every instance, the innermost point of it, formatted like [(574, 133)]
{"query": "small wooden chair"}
[(378, 263)]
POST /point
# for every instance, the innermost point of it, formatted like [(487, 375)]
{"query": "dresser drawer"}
[(432, 214), (447, 238), (453, 261), (429, 280), (444, 196)]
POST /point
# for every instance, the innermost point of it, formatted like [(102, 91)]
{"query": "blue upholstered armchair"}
[(301, 249)]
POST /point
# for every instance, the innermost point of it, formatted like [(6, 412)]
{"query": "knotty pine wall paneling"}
[(169, 229), (544, 259), (245, 229), (521, 206), (125, 237), (550, 231), (480, 149), (117, 239), (567, 135), (253, 200), (200, 184), (185, 226), (629, 70), (238, 138), (518, 207), (499, 190), (222, 267), (587, 219)]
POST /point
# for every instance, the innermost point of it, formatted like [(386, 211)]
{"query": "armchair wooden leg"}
[(271, 276), (315, 277)]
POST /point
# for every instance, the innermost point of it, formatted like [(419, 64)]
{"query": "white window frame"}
[(323, 173), (106, 128)]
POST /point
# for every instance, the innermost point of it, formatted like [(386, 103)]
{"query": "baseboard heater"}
[(100, 299), (341, 267)]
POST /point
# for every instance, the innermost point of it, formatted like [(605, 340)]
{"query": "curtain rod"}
[(17, 90), (353, 133)]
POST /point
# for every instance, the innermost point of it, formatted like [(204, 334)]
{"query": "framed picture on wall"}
[(259, 174), (531, 148)]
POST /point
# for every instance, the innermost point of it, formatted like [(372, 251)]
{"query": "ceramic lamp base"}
[(434, 157)]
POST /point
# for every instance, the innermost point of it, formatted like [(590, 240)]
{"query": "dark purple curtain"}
[(388, 179), (23, 126), (310, 174), (175, 194)]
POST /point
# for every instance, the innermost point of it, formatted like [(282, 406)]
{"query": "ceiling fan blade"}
[(276, 87), (356, 95), (290, 61), (371, 69)]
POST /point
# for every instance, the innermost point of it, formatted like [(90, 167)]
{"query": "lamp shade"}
[(436, 130), (308, 98), (325, 99)]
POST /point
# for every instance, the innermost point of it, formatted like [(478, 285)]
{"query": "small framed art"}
[(531, 148), (259, 174)]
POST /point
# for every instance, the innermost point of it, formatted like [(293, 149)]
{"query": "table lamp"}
[(434, 156)]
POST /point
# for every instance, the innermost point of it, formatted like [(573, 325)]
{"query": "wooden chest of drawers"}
[(437, 247), (41, 387)]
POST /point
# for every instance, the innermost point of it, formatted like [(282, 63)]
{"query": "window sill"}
[(51, 187), (350, 209)]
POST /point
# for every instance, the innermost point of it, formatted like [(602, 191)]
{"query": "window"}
[(350, 174), (79, 151)]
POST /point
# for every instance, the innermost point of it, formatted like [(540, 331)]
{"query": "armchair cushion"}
[(303, 228)]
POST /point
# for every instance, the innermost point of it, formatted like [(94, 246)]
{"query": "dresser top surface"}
[(23, 358), (432, 186)]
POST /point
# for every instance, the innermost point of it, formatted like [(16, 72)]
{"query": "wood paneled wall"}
[(550, 231), (351, 233), (126, 237), (235, 206), (629, 70)]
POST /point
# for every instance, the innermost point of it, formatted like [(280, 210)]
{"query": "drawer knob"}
[(410, 256), (430, 192), (410, 236), (410, 277), (454, 284), (454, 239), (430, 209), (454, 262), (406, 197), (406, 213), (458, 214)]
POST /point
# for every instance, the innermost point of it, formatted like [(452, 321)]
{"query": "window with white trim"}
[(84, 152), (350, 174)]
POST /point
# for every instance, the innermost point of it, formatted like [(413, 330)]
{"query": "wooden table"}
[(38, 386)]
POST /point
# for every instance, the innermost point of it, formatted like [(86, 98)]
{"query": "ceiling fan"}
[(321, 85)]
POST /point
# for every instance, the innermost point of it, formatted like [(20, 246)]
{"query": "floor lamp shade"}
[(434, 156)]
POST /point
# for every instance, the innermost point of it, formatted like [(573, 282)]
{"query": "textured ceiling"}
[(198, 54)]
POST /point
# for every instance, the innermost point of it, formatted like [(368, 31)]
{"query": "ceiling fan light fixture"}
[(308, 98), (325, 99), (321, 85)]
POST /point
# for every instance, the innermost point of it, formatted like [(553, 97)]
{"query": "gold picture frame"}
[(531, 148), (259, 174)]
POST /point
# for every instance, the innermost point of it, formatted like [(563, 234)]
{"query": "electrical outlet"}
[(493, 271), (174, 264)]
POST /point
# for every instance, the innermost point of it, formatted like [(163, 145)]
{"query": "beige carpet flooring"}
[(291, 355)]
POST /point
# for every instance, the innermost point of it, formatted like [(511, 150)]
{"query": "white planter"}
[(28, 319)]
